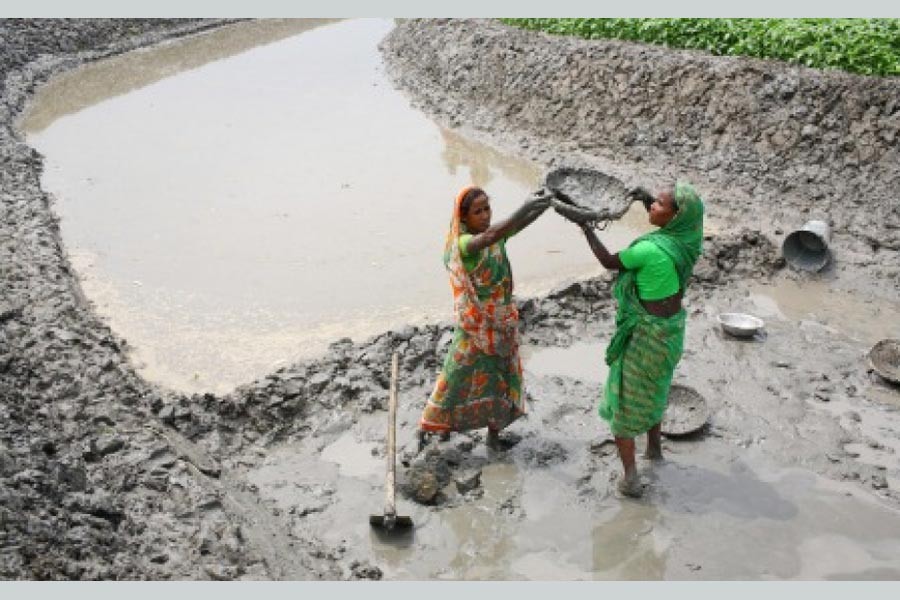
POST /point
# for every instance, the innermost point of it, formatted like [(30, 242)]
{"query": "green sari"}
[(645, 349)]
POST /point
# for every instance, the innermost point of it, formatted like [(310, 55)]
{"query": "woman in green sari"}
[(649, 338)]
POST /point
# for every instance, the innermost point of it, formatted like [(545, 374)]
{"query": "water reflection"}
[(625, 546), (482, 161), (96, 82)]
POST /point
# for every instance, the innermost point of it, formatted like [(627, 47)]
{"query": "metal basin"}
[(740, 325), (686, 413), (885, 359), (587, 194)]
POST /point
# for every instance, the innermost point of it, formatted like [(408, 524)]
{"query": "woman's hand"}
[(539, 200), (533, 207), (571, 213), (639, 194)]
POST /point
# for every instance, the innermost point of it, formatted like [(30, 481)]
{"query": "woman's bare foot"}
[(654, 443), (422, 439), (493, 439), (630, 485)]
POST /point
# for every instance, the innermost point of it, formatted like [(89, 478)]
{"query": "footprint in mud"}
[(542, 453)]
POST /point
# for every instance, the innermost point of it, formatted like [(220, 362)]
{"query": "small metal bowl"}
[(740, 325), (885, 360), (686, 412)]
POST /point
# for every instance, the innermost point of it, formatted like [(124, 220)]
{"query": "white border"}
[(458, 8)]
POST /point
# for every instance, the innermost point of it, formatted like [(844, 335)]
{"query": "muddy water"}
[(867, 319), (252, 194), (539, 521), (582, 360)]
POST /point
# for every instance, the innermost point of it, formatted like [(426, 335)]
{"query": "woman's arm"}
[(524, 216), (532, 216), (609, 261)]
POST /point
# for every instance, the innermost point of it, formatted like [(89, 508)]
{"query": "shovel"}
[(390, 520)]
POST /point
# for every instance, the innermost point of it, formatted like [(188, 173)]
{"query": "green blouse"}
[(655, 271), (470, 261)]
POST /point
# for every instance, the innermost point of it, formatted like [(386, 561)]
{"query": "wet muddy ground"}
[(779, 467), (105, 475)]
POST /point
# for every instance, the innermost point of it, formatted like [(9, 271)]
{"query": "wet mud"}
[(106, 476)]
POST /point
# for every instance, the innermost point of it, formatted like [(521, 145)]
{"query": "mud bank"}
[(92, 486), (770, 144), (105, 476)]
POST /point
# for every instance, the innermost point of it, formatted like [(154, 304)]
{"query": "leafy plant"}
[(863, 46)]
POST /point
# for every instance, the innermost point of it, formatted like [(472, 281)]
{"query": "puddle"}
[(627, 548), (865, 319), (242, 188), (533, 524), (355, 459), (583, 361)]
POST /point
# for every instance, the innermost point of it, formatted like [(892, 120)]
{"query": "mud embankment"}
[(769, 144), (91, 487)]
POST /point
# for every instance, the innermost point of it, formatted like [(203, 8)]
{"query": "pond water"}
[(236, 200)]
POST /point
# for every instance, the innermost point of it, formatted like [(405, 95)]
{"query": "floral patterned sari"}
[(480, 384)]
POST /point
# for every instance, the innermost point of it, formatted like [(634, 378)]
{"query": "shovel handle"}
[(389, 492)]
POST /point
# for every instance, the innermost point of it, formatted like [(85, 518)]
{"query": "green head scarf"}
[(682, 237)]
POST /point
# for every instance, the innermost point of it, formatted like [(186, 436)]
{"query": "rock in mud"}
[(221, 572), (879, 482), (363, 570), (423, 485), (467, 480)]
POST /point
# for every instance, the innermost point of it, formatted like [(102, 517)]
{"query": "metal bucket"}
[(807, 248)]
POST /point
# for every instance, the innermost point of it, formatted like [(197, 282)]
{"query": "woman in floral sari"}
[(480, 384), (649, 339)]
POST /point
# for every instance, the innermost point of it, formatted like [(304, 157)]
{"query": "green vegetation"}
[(864, 46)]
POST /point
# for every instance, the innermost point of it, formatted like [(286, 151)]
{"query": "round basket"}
[(596, 195), (885, 359), (686, 413)]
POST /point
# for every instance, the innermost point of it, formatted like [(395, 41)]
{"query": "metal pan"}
[(740, 325)]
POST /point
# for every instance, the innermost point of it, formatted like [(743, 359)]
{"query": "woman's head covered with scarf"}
[(682, 236), (457, 224)]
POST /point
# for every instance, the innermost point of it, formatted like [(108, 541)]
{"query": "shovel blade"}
[(390, 522)]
